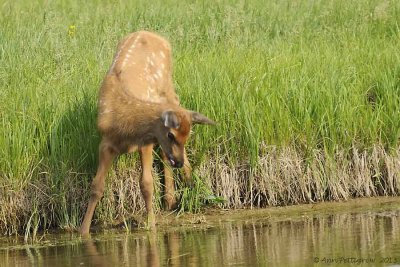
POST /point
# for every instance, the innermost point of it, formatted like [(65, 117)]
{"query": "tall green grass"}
[(306, 95)]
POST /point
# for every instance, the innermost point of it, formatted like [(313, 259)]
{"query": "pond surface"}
[(328, 237)]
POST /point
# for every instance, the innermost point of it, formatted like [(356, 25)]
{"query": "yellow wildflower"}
[(71, 31)]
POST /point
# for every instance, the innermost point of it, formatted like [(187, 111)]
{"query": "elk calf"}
[(138, 108)]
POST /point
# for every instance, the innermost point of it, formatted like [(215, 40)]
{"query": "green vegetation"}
[(306, 95)]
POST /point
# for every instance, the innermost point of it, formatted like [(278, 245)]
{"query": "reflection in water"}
[(371, 237)]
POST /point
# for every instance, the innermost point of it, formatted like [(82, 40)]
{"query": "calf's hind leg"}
[(106, 156)]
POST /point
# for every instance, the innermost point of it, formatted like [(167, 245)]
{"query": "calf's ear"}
[(198, 118), (170, 119)]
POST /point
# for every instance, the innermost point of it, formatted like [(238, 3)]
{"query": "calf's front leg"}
[(169, 189), (169, 196), (146, 183), (187, 170)]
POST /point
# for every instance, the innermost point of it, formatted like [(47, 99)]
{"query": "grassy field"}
[(306, 95)]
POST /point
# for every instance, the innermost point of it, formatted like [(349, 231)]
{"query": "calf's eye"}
[(171, 137)]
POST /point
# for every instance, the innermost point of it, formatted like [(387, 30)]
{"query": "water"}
[(349, 237)]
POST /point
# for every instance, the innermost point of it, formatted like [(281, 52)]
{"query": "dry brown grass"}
[(281, 177)]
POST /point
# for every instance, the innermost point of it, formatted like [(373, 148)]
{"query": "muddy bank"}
[(214, 217)]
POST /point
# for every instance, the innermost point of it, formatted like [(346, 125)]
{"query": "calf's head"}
[(175, 131)]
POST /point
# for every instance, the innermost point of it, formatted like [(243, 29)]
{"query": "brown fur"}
[(134, 99)]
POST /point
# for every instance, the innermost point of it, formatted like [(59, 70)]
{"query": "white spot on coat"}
[(159, 73), (106, 111)]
